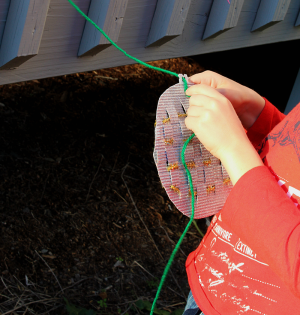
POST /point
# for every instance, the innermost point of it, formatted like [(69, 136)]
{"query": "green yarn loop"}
[(171, 259)]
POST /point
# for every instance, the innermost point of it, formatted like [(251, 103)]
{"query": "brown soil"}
[(83, 213)]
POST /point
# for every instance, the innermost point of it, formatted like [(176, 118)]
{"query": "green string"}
[(171, 259), (124, 52), (119, 48)]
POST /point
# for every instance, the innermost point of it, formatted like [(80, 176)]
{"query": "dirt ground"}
[(83, 214)]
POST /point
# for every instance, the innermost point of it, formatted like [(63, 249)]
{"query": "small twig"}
[(170, 238), (133, 301), (139, 168), (73, 285), (127, 309), (33, 302), (180, 288), (9, 300), (135, 262), (117, 252), (4, 296), (108, 78), (196, 225), (49, 269), (27, 289), (180, 303), (6, 286), (19, 298), (183, 296), (120, 196), (88, 194), (137, 310), (131, 178)]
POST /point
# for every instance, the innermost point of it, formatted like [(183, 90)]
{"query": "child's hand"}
[(213, 119), (247, 103)]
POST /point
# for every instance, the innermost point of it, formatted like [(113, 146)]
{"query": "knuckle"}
[(214, 104), (206, 116)]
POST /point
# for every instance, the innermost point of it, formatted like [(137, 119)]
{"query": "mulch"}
[(83, 213)]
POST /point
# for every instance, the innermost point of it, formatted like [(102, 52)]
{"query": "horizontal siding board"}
[(222, 17), (23, 32), (269, 13), (168, 21), (64, 27), (108, 15)]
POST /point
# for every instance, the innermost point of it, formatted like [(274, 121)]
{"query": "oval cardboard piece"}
[(210, 180)]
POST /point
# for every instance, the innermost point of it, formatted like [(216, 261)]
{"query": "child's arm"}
[(267, 120), (257, 209), (260, 213)]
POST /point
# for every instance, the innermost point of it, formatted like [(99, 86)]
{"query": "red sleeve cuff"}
[(266, 121)]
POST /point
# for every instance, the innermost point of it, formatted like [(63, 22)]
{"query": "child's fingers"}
[(191, 122), (210, 78), (195, 111), (201, 100), (206, 90), (205, 77)]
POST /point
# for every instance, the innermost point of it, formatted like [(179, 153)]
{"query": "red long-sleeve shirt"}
[(249, 260)]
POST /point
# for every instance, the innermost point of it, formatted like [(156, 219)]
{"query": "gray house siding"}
[(64, 27)]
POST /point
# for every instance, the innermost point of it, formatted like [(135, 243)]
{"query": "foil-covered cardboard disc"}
[(210, 180)]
